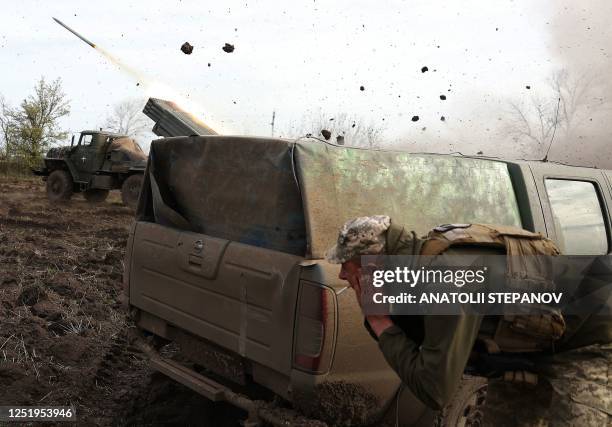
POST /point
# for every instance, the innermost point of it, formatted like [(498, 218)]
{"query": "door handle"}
[(195, 261)]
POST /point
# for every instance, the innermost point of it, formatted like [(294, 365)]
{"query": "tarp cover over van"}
[(235, 188), (417, 191), (246, 190)]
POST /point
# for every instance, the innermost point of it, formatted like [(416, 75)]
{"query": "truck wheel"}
[(59, 186), (467, 405), (130, 190), (95, 195)]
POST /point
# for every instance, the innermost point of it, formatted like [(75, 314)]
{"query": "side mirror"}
[(72, 141)]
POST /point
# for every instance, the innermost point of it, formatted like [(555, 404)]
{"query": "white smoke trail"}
[(160, 90)]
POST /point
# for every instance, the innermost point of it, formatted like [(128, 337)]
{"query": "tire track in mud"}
[(118, 379), (61, 323)]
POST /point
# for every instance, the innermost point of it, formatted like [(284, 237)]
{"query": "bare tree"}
[(351, 129), (569, 102), (578, 98), (534, 121), (127, 118)]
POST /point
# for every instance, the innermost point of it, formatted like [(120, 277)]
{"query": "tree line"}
[(29, 129), (564, 109)]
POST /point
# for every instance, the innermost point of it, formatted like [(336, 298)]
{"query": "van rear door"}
[(238, 296)]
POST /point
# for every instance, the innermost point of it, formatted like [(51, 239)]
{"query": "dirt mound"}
[(340, 404), (31, 295), (166, 402)]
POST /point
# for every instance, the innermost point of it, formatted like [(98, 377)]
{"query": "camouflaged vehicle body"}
[(226, 258), (98, 160), (103, 160)]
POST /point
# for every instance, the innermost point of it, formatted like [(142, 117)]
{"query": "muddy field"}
[(63, 329)]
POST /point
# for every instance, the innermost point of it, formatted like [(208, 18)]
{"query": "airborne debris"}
[(228, 48), (362, 88), (528, 87), (209, 64), (187, 48), (415, 118), (424, 69), (326, 134), (443, 118), (443, 97)]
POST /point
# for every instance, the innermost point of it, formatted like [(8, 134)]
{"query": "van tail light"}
[(315, 338)]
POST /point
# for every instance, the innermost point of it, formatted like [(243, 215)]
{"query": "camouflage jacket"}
[(429, 353)]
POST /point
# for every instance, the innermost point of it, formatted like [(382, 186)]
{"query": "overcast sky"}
[(300, 57)]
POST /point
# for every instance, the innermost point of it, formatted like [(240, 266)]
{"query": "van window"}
[(578, 217), (417, 191), (86, 139)]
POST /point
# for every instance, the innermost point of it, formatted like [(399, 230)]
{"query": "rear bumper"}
[(259, 412)]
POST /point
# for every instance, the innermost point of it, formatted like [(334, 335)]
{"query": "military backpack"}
[(527, 269)]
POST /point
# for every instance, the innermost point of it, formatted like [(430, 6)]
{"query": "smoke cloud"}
[(582, 44)]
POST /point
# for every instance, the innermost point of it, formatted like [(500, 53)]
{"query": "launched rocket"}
[(152, 87), (74, 32)]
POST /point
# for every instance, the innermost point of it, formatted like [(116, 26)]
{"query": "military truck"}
[(98, 162), (225, 259), (101, 161)]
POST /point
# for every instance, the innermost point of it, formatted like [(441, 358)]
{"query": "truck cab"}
[(89, 153)]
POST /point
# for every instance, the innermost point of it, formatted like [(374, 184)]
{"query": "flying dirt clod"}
[(186, 48)]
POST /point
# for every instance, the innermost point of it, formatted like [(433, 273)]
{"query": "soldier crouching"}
[(569, 384)]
